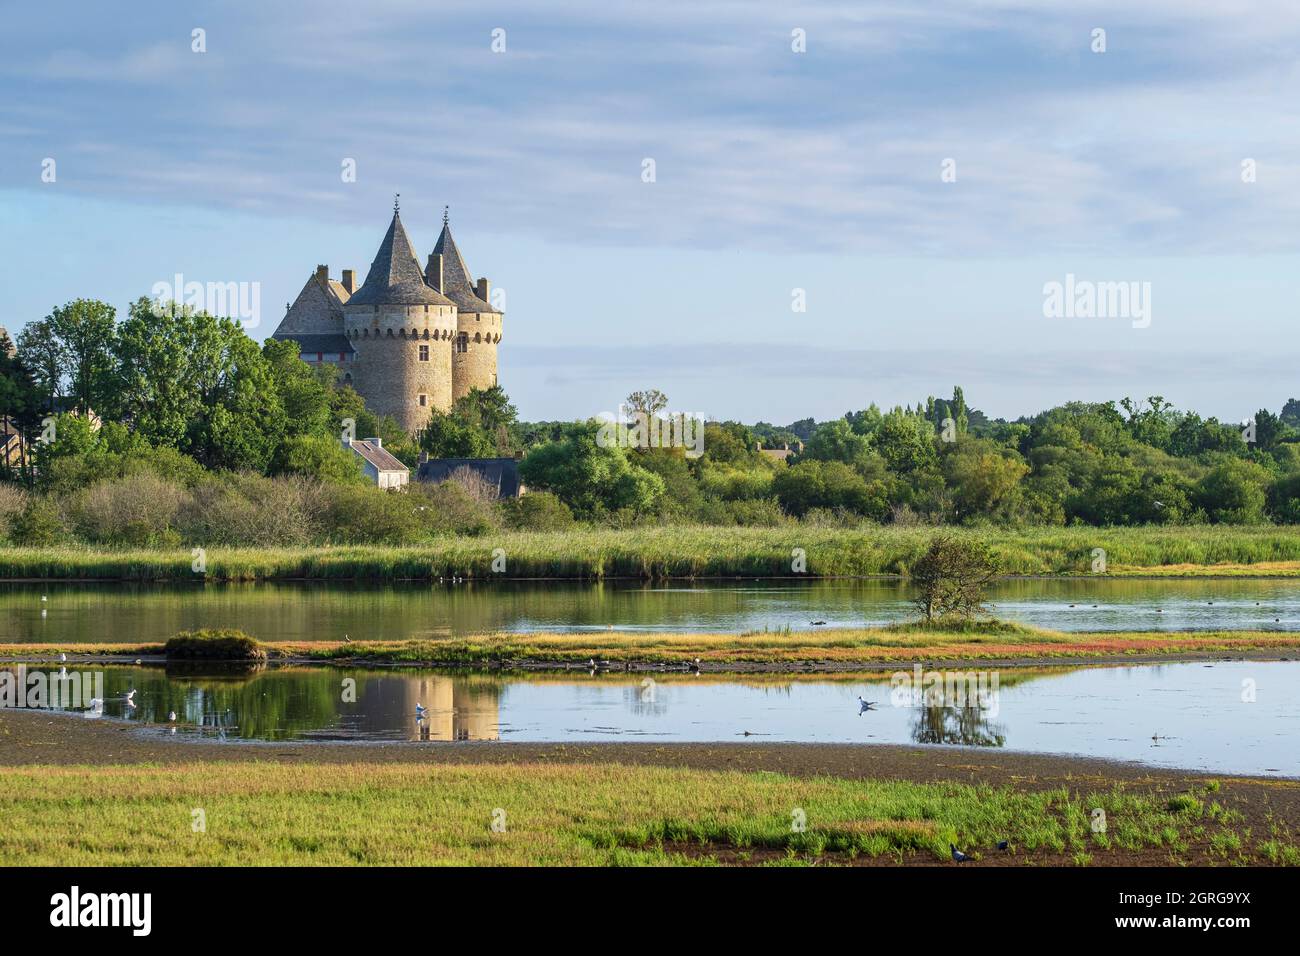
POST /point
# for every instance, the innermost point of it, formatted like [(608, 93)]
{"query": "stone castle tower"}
[(408, 340)]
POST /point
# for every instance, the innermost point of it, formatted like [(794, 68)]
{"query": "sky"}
[(874, 219)]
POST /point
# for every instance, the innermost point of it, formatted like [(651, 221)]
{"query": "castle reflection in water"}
[(456, 708)]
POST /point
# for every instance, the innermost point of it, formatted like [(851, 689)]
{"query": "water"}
[(1201, 714), (305, 612)]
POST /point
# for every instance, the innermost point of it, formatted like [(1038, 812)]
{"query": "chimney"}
[(484, 290), (433, 271), (323, 273), (377, 442), (424, 457), (349, 281), (758, 446)]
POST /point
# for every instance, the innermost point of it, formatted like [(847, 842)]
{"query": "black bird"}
[(1002, 844), (818, 623), (957, 855)]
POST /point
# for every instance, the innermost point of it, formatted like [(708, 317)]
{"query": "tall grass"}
[(682, 552)]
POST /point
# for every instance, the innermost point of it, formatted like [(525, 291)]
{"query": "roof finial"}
[(397, 202), (446, 214)]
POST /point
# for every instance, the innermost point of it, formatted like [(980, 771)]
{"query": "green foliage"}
[(317, 456), (1234, 492), (39, 523), (537, 511), (952, 578), (829, 484), (595, 481), (214, 644)]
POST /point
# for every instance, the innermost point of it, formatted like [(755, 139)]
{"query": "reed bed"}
[(686, 552)]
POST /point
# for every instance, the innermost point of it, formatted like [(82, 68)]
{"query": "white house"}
[(379, 466)]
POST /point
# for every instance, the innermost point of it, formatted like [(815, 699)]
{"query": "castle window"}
[(462, 342), (424, 400), (424, 353)]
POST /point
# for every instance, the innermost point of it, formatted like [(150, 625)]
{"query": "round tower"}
[(478, 324), (402, 332)]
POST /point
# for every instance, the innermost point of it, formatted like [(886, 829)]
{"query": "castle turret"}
[(478, 324), (402, 332)]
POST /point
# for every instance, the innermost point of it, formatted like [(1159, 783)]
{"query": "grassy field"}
[(652, 553), (720, 651), (582, 814)]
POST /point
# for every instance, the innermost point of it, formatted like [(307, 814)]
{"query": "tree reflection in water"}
[(969, 725)]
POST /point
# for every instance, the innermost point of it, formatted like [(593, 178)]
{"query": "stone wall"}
[(476, 367), (389, 372)]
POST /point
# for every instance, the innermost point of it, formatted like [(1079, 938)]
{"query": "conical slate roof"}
[(456, 283), (395, 277)]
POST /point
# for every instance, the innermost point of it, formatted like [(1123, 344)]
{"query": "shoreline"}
[(1204, 573), (45, 734), (791, 669), (990, 645)]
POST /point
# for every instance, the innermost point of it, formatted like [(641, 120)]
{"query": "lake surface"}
[(1220, 717), (305, 612)]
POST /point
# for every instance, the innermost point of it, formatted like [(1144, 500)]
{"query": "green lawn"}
[(593, 814)]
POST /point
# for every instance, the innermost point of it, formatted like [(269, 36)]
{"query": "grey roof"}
[(318, 342), (456, 282), (377, 455), (395, 277), (500, 472)]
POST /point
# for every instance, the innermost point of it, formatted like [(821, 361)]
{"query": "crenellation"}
[(379, 330)]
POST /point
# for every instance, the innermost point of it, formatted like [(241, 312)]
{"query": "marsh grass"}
[(897, 643), (593, 814), (223, 644), (587, 553)]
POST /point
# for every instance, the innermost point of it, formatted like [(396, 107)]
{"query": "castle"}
[(409, 341)]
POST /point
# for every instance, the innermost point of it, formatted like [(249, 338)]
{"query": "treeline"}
[(209, 438), (174, 427)]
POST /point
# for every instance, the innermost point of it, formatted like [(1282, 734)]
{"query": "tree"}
[(952, 578), (837, 441), (649, 402), (44, 356), (447, 435), (829, 484), (982, 477), (304, 391), (1234, 492), (906, 441), (317, 456), (20, 399), (86, 328), (592, 479)]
